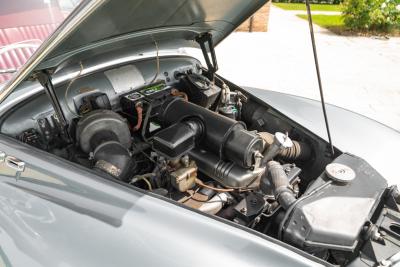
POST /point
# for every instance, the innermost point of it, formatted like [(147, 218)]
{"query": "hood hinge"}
[(44, 79), (212, 67)]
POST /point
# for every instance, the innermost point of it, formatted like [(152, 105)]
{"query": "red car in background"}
[(24, 25)]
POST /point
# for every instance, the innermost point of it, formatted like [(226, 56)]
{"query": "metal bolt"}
[(376, 236)]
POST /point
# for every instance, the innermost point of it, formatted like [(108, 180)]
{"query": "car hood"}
[(156, 20), (96, 26)]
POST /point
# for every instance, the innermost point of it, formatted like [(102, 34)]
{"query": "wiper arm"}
[(6, 71)]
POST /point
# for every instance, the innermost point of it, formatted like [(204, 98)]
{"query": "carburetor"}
[(184, 175)]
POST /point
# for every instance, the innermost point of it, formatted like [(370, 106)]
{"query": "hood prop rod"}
[(202, 39), (321, 93), (44, 79)]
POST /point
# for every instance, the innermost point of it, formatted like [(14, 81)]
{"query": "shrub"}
[(371, 14), (311, 1)]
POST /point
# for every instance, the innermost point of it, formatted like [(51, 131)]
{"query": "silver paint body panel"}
[(378, 144), (61, 214), (56, 213)]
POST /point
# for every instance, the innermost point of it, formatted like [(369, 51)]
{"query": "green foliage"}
[(380, 15), (326, 21), (314, 7), (336, 2)]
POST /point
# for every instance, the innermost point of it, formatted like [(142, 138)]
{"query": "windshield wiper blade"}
[(6, 71)]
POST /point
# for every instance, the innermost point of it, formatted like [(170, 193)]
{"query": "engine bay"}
[(210, 146)]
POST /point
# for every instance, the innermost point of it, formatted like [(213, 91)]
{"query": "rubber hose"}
[(299, 150), (280, 182), (215, 204)]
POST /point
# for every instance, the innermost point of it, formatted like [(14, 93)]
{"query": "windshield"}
[(24, 25)]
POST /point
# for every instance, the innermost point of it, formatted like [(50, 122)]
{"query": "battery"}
[(149, 98)]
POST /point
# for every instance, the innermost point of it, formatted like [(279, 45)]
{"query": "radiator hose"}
[(280, 183)]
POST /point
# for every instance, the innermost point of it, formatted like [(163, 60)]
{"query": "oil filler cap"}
[(340, 172)]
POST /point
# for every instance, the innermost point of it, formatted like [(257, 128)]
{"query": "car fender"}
[(56, 213), (354, 133)]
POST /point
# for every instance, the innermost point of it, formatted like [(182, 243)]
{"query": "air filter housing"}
[(334, 215)]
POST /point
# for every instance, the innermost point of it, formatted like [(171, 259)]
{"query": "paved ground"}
[(361, 74)]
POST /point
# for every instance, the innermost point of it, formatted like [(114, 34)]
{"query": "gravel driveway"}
[(358, 73)]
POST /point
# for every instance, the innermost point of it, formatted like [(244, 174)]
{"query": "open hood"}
[(142, 21), (100, 25)]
